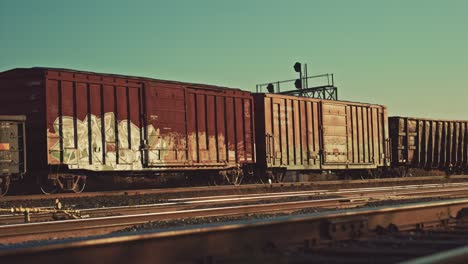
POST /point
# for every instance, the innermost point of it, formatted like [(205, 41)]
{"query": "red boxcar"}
[(83, 121), (303, 134)]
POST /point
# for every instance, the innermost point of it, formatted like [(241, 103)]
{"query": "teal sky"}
[(411, 56)]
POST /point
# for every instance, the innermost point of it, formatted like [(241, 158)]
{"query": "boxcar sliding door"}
[(334, 134), (166, 134)]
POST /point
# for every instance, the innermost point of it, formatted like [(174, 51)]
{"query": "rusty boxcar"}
[(429, 143), (305, 134), (83, 122)]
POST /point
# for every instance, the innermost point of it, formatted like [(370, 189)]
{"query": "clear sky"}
[(409, 55)]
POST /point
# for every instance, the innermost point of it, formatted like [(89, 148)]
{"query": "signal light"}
[(297, 67), (270, 88), (298, 83)]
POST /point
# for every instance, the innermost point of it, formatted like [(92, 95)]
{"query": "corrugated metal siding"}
[(99, 122), (89, 121), (166, 128), (307, 134), (367, 134), (427, 143), (220, 127), (291, 132)]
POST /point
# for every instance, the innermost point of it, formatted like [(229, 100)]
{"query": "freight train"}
[(58, 127)]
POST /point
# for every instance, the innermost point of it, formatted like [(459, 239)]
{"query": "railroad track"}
[(105, 220), (376, 193), (231, 189), (102, 225), (286, 238), (391, 248)]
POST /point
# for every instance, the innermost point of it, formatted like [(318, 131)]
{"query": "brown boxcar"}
[(297, 133), (429, 143), (102, 122)]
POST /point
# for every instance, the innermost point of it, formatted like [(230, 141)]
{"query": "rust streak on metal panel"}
[(60, 127), (294, 130), (301, 134), (235, 129), (365, 140), (308, 131), (426, 143), (211, 133), (220, 128), (89, 128), (252, 130), (103, 124), (205, 118), (375, 150), (297, 132), (226, 129), (282, 128), (354, 134), (75, 116), (197, 129), (216, 130), (129, 133), (360, 131), (244, 141), (94, 113), (317, 131), (444, 143), (238, 117)]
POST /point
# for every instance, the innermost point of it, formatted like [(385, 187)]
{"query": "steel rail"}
[(101, 222), (183, 190), (103, 225), (454, 256), (380, 193), (248, 238)]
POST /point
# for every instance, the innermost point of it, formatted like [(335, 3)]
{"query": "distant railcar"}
[(82, 122), (304, 134), (429, 143)]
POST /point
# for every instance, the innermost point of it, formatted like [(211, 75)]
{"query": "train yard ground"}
[(167, 193), (380, 221)]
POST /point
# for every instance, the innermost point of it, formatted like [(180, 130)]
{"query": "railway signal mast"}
[(298, 68), (322, 86)]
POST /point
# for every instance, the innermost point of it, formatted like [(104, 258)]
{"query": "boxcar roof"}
[(428, 119), (194, 85), (295, 97)]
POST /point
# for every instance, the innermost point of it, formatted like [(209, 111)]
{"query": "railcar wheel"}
[(214, 180), (275, 176), (234, 177), (237, 177), (260, 180), (402, 172), (410, 172), (79, 185), (278, 176), (49, 187), (376, 173), (4, 185)]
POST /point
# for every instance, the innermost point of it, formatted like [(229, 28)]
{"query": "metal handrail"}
[(330, 82)]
